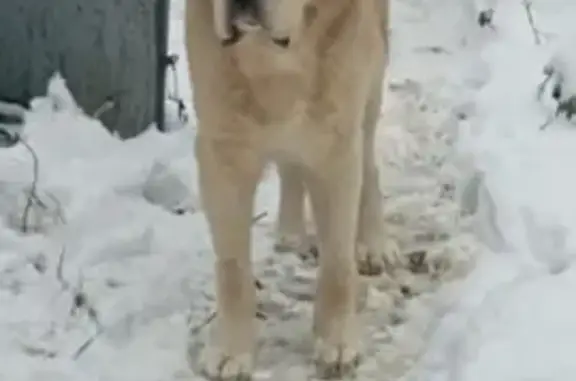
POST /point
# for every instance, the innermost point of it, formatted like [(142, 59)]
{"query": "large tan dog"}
[(298, 83)]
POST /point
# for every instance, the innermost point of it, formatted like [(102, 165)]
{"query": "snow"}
[(513, 319), (113, 278)]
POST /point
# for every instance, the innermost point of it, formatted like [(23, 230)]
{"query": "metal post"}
[(162, 30)]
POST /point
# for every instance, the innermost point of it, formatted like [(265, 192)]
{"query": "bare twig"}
[(59, 209), (33, 187), (259, 217), (196, 330), (528, 8), (175, 97), (81, 302), (549, 73), (86, 345), (33, 198), (59, 270), (38, 351), (105, 107), (547, 123)]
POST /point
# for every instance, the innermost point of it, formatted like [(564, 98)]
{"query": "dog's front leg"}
[(335, 195), (228, 176)]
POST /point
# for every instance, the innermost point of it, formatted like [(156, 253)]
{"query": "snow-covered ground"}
[(113, 279)]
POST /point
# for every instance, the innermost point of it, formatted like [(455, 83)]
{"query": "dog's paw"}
[(287, 243), (304, 246), (336, 360), (219, 366), (373, 261), (291, 243), (368, 262)]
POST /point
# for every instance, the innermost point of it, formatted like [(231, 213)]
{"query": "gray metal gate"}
[(107, 50)]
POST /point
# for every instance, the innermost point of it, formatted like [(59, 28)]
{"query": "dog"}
[(297, 83)]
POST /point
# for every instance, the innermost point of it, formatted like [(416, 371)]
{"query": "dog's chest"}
[(270, 82), (279, 96), (270, 101)]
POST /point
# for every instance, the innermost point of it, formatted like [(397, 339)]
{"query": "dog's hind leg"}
[(291, 231), (370, 250), (228, 176)]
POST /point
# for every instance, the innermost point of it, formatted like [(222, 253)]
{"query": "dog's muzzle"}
[(246, 16)]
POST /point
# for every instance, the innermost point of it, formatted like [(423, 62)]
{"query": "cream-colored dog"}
[(297, 83)]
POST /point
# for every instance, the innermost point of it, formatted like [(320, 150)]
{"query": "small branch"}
[(38, 351), (549, 72), (59, 270), (259, 217), (32, 195), (528, 8), (86, 345), (59, 209), (171, 61), (105, 107), (197, 329), (80, 303), (547, 123), (33, 198)]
